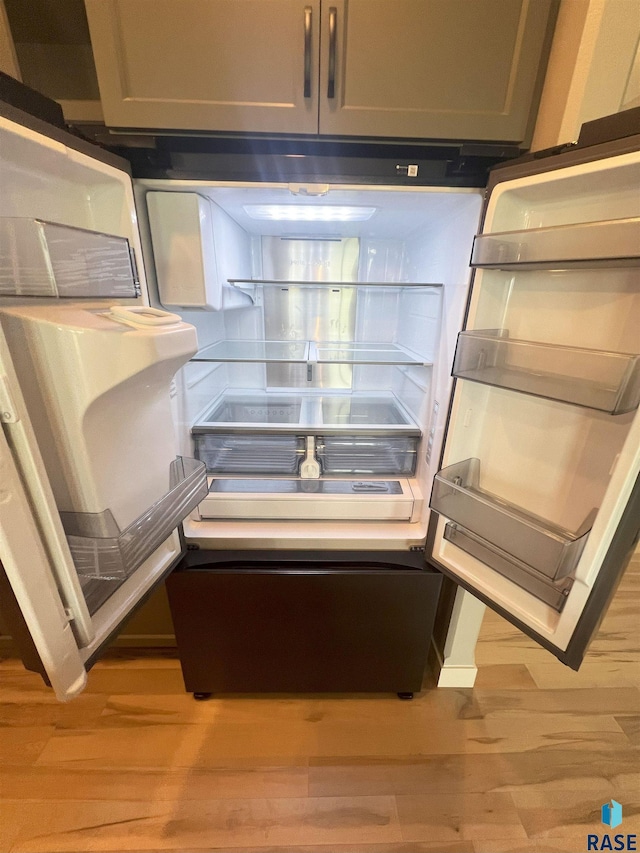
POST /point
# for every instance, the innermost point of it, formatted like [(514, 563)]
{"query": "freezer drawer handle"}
[(333, 32), (307, 51)]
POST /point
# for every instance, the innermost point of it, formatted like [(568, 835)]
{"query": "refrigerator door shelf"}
[(541, 545), (101, 550), (552, 593), (561, 246), (46, 259), (595, 379)]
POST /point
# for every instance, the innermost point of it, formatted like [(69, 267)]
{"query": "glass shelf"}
[(595, 379), (296, 352), (309, 412), (309, 352), (505, 528), (329, 352), (611, 243), (252, 282)]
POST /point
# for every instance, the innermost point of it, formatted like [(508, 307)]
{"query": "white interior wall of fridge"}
[(552, 460), (416, 235)]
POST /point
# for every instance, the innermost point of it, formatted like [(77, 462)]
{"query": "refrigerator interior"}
[(543, 445), (322, 388), (328, 321)]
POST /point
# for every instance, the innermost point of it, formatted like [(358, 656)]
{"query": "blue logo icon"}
[(612, 814)]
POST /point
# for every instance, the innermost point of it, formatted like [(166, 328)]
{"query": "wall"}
[(594, 68)]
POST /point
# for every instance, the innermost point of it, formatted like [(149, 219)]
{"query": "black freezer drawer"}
[(303, 621)]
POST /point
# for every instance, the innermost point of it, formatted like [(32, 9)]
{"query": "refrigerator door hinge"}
[(68, 612), (8, 411)]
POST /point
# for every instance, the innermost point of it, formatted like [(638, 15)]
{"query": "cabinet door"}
[(439, 69), (227, 65)]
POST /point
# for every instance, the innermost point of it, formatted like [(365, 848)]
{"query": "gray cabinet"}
[(429, 69), (226, 65), (438, 69)]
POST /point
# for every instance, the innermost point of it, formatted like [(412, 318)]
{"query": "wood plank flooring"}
[(522, 762)]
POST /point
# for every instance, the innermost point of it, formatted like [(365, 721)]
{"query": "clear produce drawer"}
[(596, 379), (250, 454), (552, 551), (354, 454)]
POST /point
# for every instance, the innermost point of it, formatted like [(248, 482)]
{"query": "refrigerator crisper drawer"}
[(611, 243), (101, 550), (313, 500), (596, 379), (550, 550), (45, 259), (354, 454), (250, 454)]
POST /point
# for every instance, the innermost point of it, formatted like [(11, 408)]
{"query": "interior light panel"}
[(309, 212)]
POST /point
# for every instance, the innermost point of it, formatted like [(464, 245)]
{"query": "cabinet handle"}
[(333, 30), (307, 51)]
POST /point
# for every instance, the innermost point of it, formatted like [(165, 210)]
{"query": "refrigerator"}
[(306, 401)]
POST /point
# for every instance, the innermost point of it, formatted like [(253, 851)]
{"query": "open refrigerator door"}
[(95, 491), (536, 501)]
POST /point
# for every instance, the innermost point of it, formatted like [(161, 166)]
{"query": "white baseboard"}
[(457, 676), (452, 675)]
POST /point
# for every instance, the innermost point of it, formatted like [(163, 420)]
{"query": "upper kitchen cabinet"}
[(435, 69), (51, 52), (225, 65), (429, 69)]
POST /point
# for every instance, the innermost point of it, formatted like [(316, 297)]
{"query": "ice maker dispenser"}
[(97, 390)]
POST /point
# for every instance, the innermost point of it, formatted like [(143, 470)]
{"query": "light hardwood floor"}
[(522, 762)]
